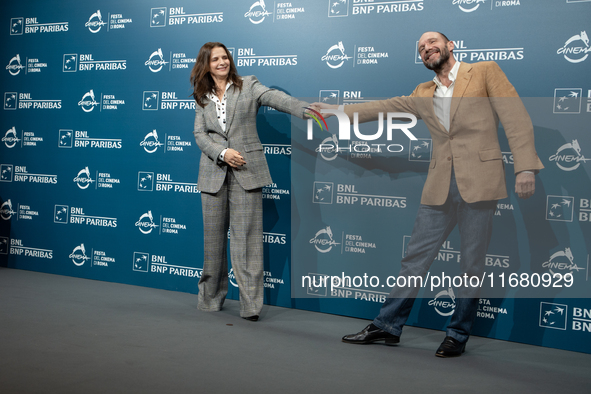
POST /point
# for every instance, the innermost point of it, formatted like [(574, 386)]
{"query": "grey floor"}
[(67, 335)]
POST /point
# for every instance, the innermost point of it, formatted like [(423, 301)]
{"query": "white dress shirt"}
[(442, 97), (220, 109)]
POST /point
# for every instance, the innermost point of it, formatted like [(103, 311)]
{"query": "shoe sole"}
[(450, 355), (387, 341)]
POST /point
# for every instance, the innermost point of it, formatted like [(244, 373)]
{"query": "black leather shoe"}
[(450, 347), (252, 318), (371, 334)]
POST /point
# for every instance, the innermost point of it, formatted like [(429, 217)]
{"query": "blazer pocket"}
[(254, 146), (490, 154)]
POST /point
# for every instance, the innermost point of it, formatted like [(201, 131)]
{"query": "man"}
[(461, 107)]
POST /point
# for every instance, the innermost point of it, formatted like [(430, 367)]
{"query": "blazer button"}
[(451, 138), (449, 158)]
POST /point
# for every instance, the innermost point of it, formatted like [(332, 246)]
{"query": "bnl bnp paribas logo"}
[(340, 8), (569, 100), (555, 316), (560, 208), (161, 16), (154, 100), (32, 26), (576, 49), (463, 53)]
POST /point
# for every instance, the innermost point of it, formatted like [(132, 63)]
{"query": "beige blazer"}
[(482, 96)]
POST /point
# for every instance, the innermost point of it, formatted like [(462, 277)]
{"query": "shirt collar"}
[(452, 76), (211, 95)]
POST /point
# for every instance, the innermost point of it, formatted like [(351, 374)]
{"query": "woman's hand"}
[(319, 106), (233, 158)]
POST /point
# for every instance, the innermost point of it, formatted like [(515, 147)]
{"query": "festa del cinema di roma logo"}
[(576, 49), (345, 128)]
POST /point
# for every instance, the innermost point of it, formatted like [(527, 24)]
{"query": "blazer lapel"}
[(211, 117), (460, 85), (428, 93), (232, 95)]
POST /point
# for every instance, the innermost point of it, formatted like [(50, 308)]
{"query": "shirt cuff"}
[(223, 154)]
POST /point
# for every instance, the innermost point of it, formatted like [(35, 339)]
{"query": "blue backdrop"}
[(98, 165)]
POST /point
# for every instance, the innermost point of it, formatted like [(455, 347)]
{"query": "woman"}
[(232, 172)]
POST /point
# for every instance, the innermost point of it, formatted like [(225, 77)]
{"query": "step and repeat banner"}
[(98, 164)]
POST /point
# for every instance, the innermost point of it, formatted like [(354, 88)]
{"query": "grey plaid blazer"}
[(241, 134)]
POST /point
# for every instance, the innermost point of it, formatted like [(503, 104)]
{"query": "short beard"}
[(437, 65)]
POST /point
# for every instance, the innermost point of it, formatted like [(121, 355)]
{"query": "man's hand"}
[(233, 158), (319, 106), (525, 184)]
